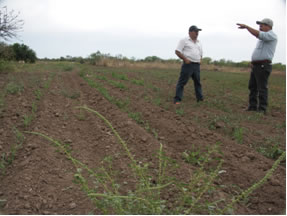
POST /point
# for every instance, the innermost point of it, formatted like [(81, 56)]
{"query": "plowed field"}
[(37, 176)]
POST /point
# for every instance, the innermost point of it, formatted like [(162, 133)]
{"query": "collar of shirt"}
[(197, 41)]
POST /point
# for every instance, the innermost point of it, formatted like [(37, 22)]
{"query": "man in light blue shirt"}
[(261, 64)]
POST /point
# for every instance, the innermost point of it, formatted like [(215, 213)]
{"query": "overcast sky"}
[(140, 28)]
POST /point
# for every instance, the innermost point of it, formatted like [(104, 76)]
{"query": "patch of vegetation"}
[(14, 88), (147, 195)]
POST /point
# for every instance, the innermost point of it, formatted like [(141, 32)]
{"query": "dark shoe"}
[(262, 111), (251, 109), (199, 100)]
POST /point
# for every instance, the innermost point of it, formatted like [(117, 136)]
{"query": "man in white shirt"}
[(189, 50)]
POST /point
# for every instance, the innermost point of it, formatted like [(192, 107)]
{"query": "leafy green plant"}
[(14, 88), (34, 108), (179, 111), (38, 93), (6, 67), (8, 158), (138, 82), (119, 76), (117, 84), (271, 151), (238, 134), (194, 157), (68, 68), (71, 93), (137, 117), (27, 119), (2, 103)]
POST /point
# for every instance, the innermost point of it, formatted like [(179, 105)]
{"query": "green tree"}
[(24, 53), (152, 59), (206, 60), (6, 52)]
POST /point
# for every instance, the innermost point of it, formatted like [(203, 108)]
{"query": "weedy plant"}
[(138, 82), (179, 111), (14, 88), (7, 158), (238, 134), (27, 119), (147, 195), (2, 103), (38, 93)]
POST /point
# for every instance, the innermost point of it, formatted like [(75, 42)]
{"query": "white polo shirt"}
[(190, 49)]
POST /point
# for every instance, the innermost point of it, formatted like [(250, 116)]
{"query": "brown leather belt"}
[(261, 62)]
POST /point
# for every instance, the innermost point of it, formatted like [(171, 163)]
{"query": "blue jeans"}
[(189, 70)]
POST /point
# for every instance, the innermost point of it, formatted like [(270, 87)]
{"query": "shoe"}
[(251, 109), (262, 111), (177, 103), (199, 100)]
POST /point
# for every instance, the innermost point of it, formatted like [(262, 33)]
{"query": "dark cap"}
[(194, 28)]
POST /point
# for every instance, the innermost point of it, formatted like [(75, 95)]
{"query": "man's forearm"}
[(251, 30), (180, 55)]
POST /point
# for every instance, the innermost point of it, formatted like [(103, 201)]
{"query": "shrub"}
[(24, 53)]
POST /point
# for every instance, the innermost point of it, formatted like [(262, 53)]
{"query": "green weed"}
[(238, 134), (14, 88), (255, 186), (179, 111), (6, 67), (271, 148), (68, 68), (117, 84), (119, 76), (147, 196), (137, 117), (72, 94), (2, 103), (38, 93), (8, 158), (27, 119), (138, 82)]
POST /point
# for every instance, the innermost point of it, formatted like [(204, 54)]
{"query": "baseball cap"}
[(266, 21), (194, 28)]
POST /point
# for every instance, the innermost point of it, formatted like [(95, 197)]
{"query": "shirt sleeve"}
[(267, 36), (180, 45)]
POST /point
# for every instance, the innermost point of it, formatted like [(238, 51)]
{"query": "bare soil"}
[(40, 179)]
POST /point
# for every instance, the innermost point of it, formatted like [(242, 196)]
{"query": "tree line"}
[(97, 57), (17, 52)]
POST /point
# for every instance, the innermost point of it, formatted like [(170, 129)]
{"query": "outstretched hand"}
[(241, 26)]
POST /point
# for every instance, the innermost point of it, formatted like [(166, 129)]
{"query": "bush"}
[(6, 67), (18, 52), (24, 53), (6, 52)]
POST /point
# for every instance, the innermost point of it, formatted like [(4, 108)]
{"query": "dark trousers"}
[(189, 70), (258, 86)]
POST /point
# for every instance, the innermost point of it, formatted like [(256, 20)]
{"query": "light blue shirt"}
[(265, 47)]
